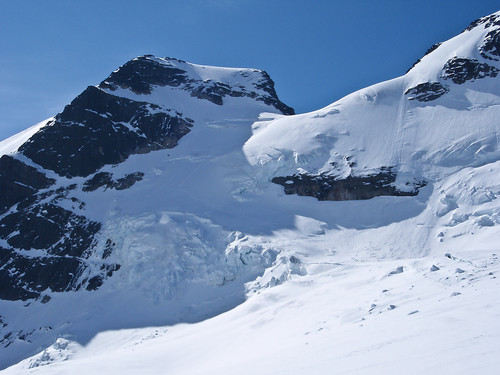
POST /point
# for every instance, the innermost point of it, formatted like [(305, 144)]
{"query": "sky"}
[(316, 51)]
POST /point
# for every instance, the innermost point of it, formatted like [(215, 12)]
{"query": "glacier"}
[(223, 270)]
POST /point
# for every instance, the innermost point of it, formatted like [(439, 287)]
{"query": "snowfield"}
[(335, 312), (222, 272)]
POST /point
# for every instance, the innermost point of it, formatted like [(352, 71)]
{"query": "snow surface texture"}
[(384, 126), (11, 144), (386, 285)]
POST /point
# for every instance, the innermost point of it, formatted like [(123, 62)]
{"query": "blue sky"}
[(315, 51)]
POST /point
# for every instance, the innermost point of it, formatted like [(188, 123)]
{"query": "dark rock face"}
[(49, 246), (490, 49), (98, 129), (213, 92), (46, 246), (106, 179), (426, 92), (329, 188), (23, 277), (18, 181), (267, 84), (48, 227), (20, 276), (461, 70), (143, 73)]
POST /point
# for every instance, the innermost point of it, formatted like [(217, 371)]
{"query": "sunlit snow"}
[(222, 272)]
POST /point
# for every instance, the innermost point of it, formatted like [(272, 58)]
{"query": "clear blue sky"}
[(316, 51)]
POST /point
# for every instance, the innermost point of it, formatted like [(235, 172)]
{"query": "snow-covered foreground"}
[(343, 301), (345, 317)]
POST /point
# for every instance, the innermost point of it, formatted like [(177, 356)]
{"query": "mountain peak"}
[(479, 43), (419, 118), (486, 21), (145, 74)]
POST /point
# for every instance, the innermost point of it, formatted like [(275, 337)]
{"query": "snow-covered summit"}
[(479, 42), (439, 117), (159, 77)]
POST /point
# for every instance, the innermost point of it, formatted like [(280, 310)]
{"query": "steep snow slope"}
[(357, 301), (12, 144), (122, 180), (405, 281), (439, 117)]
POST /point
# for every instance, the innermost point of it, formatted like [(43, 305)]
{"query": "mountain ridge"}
[(172, 200)]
